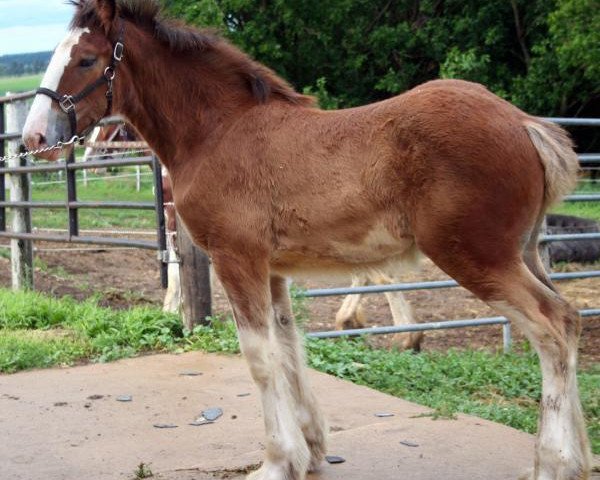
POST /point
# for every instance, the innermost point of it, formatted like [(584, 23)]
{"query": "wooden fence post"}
[(194, 272), (21, 250)]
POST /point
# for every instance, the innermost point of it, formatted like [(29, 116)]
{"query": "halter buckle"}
[(118, 51), (66, 103), (109, 73)]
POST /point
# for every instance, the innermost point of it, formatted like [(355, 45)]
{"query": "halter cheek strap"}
[(67, 102)]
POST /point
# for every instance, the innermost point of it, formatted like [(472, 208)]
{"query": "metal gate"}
[(71, 203)]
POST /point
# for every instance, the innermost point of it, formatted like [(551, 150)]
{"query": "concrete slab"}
[(65, 424)]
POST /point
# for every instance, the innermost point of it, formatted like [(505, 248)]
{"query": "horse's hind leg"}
[(246, 281), (350, 314), (309, 414), (401, 312), (553, 327)]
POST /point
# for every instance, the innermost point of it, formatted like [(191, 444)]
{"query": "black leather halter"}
[(67, 102)]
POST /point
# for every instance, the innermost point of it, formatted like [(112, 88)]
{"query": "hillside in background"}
[(23, 63)]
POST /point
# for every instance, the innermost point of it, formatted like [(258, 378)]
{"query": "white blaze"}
[(37, 120)]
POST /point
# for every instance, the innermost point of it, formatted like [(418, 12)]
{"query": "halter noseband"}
[(67, 102)]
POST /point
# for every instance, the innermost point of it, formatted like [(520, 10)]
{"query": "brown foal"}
[(269, 185)]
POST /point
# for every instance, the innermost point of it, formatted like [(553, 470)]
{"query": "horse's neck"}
[(176, 105)]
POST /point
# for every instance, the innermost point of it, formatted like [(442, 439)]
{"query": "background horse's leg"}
[(246, 281), (401, 312), (309, 414), (350, 314), (172, 300)]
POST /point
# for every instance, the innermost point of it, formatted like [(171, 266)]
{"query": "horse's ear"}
[(107, 10)]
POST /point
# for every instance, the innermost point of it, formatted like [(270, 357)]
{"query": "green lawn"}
[(19, 84), (109, 189), (39, 331), (582, 209)]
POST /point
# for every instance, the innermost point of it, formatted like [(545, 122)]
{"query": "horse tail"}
[(561, 165), (555, 149)]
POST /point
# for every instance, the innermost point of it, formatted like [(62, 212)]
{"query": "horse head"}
[(76, 90)]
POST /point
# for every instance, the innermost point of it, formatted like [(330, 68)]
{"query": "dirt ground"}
[(126, 277)]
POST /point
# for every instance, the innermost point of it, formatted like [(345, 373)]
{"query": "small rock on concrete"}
[(190, 373), (124, 398), (243, 394), (211, 414), (201, 421), (334, 459), (95, 397), (384, 415), (164, 425), (409, 444)]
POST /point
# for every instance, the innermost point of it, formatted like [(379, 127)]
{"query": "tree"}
[(353, 52)]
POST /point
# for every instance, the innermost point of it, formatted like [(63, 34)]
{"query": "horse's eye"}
[(87, 62)]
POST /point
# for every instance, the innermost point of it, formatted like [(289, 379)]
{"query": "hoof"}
[(356, 319), (271, 471), (408, 341), (317, 454)]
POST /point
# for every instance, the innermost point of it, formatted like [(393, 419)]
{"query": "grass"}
[(19, 84), (121, 189), (582, 209), (38, 331), (143, 471)]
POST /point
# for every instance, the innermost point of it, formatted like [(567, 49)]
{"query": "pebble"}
[(384, 415), (211, 414), (95, 397), (200, 421), (243, 394), (190, 374), (334, 459), (164, 425), (409, 444), (124, 398)]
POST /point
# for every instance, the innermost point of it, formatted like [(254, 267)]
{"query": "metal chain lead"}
[(57, 146)]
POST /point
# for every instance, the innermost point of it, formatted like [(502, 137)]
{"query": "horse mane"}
[(181, 38)]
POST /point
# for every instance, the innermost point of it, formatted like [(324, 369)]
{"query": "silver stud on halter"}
[(66, 103), (118, 51)]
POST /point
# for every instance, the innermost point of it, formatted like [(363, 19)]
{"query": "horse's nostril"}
[(41, 139)]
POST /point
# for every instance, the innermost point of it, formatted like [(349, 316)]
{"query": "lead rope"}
[(57, 146)]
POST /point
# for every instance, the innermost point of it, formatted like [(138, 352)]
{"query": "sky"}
[(32, 25)]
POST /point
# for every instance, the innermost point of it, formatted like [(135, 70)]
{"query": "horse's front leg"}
[(311, 420), (246, 281)]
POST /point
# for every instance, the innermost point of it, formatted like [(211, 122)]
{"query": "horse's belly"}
[(377, 248)]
